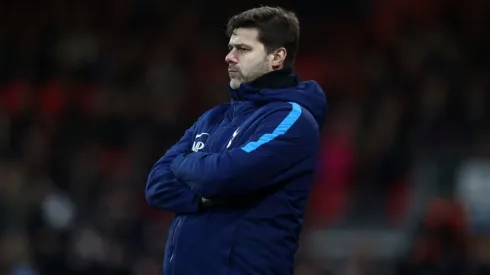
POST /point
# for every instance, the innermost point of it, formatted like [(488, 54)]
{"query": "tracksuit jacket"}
[(253, 160)]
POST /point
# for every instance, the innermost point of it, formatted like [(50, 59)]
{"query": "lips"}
[(232, 73)]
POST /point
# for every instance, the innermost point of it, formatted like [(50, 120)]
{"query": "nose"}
[(231, 58)]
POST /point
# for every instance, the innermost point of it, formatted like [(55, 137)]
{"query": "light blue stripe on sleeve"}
[(280, 130)]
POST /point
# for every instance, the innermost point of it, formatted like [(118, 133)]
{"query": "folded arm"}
[(286, 137), (163, 190)]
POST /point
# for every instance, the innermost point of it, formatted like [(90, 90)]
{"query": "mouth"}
[(232, 73)]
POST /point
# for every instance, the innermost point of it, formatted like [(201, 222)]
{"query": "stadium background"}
[(93, 92)]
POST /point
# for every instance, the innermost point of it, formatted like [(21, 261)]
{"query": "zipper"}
[(220, 130), (216, 136), (235, 109), (179, 223)]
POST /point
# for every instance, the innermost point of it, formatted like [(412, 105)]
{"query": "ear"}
[(278, 58)]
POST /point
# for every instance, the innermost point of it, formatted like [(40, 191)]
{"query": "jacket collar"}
[(278, 79), (282, 78)]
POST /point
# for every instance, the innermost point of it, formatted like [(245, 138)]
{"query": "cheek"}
[(244, 66), (249, 63)]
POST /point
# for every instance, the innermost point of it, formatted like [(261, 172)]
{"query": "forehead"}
[(244, 36)]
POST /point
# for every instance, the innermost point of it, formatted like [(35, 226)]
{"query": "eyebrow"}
[(238, 45)]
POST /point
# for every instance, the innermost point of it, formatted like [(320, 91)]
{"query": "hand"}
[(205, 201)]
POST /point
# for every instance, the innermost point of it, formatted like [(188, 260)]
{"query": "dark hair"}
[(277, 28)]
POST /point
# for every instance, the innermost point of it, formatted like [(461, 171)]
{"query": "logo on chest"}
[(198, 143), (233, 137)]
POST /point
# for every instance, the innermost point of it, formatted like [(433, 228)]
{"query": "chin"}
[(235, 84)]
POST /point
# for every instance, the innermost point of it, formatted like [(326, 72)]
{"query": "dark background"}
[(92, 93)]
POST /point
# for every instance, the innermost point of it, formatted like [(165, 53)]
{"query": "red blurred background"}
[(93, 92)]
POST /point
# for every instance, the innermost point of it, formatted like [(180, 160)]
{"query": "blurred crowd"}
[(92, 93)]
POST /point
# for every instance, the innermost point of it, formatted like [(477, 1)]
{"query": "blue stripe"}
[(280, 130)]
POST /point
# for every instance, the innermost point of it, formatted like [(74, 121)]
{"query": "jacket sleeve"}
[(163, 190), (285, 138)]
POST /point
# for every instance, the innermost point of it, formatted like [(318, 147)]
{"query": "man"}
[(239, 178)]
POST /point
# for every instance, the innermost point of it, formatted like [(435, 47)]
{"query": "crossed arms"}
[(180, 180)]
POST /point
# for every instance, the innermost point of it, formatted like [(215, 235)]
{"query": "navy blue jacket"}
[(253, 160)]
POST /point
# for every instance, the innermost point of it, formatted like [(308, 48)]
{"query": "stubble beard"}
[(259, 70)]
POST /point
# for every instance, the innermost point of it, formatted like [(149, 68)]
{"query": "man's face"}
[(247, 59)]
